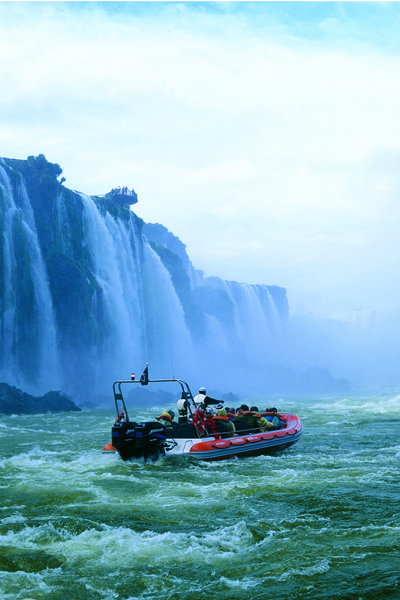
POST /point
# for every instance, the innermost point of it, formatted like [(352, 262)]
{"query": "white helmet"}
[(181, 404)]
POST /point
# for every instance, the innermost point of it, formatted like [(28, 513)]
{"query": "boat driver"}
[(203, 401)]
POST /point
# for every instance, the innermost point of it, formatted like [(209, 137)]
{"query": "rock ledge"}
[(14, 401)]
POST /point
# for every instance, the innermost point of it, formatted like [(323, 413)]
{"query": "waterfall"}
[(145, 316), (9, 338), (48, 368), (258, 325), (270, 310), (167, 334), (116, 268), (85, 300), (252, 328)]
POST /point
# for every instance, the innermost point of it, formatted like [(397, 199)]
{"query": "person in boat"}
[(210, 424), (263, 423), (254, 421), (245, 415), (183, 408), (222, 417), (121, 417), (274, 418), (167, 417), (203, 401)]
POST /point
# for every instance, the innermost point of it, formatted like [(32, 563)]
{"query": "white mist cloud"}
[(270, 146)]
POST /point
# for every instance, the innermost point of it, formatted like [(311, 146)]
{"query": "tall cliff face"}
[(85, 297)]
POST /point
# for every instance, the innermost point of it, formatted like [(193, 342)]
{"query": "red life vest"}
[(200, 421), (210, 421)]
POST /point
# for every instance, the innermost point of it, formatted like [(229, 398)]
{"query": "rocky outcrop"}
[(14, 401)]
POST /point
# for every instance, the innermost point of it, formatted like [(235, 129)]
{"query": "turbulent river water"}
[(321, 520)]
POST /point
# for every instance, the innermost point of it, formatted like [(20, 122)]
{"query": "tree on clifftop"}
[(40, 163)]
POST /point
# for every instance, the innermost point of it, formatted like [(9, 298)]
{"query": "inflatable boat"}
[(192, 434)]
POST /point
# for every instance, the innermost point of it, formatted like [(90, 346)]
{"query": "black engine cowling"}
[(134, 440)]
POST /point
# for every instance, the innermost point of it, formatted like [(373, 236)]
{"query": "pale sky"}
[(265, 135)]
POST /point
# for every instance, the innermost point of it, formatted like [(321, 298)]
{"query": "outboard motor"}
[(134, 440)]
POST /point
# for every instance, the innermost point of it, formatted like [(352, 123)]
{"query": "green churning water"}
[(319, 521)]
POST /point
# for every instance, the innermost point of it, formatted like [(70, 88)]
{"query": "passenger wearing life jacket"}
[(245, 415), (275, 421), (263, 422), (210, 425), (167, 416), (222, 417), (274, 418)]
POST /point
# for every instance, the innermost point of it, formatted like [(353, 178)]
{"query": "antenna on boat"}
[(170, 352)]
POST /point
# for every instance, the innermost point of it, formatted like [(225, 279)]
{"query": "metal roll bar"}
[(118, 396)]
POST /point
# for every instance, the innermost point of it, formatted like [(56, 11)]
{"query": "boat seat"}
[(187, 430), (240, 425), (221, 429), (219, 426), (172, 432)]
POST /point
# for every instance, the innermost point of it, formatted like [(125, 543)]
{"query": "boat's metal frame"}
[(118, 395)]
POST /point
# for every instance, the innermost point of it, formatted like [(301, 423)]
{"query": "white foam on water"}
[(322, 566), (116, 546), (380, 476), (17, 518), (22, 429), (12, 585), (374, 404), (308, 519), (11, 508), (30, 536), (383, 529), (243, 584)]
